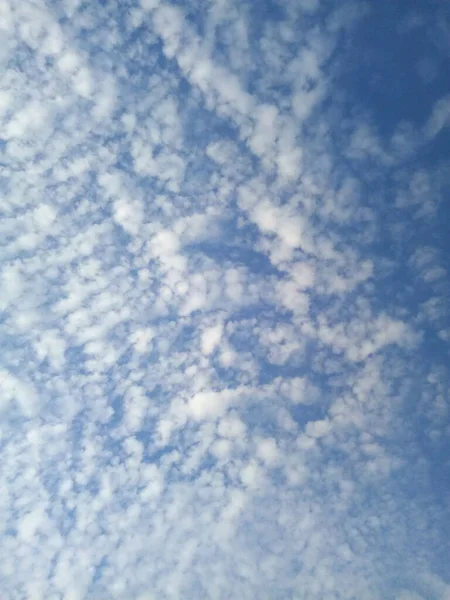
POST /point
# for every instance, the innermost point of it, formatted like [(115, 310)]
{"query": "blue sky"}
[(224, 300)]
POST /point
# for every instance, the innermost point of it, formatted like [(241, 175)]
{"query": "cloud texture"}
[(224, 300)]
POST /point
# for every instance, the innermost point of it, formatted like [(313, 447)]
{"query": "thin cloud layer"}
[(224, 301)]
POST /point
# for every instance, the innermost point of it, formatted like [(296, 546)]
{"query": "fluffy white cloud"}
[(211, 337), (318, 429)]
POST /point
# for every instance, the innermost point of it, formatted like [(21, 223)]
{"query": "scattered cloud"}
[(224, 301)]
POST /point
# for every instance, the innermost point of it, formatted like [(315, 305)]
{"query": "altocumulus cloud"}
[(224, 300)]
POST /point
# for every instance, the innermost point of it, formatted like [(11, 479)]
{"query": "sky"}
[(224, 300)]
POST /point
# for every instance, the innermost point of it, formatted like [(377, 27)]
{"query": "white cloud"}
[(222, 305), (318, 429), (252, 475), (210, 405), (231, 427), (439, 118), (21, 392), (128, 214), (211, 337), (52, 346), (299, 390), (142, 338), (267, 450)]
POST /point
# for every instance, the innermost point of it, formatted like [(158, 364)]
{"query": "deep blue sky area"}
[(224, 300)]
